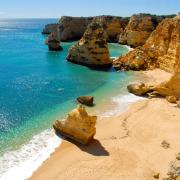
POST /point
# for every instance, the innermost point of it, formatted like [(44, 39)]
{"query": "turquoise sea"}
[(37, 87)]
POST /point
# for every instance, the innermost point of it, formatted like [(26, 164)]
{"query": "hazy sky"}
[(57, 8)]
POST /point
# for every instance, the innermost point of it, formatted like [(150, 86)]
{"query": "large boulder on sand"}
[(138, 89), (86, 100), (92, 48), (78, 126)]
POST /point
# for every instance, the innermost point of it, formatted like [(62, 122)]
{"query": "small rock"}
[(86, 100), (156, 175), (178, 156), (171, 99), (178, 104), (165, 144)]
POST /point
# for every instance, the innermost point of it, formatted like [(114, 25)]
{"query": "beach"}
[(126, 146)]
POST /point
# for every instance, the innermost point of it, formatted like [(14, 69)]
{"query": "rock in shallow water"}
[(78, 126), (138, 89), (53, 42), (86, 100)]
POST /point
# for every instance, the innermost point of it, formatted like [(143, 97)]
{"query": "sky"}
[(58, 8)]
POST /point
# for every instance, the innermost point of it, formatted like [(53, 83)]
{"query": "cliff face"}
[(113, 26), (49, 28), (164, 44), (138, 29), (73, 28), (162, 49), (92, 49)]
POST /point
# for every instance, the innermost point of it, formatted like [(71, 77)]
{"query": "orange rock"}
[(78, 126), (92, 48)]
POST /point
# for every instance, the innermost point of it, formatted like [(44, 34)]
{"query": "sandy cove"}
[(125, 147)]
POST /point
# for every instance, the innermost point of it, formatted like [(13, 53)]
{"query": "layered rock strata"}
[(92, 48), (53, 42), (78, 126), (49, 28), (161, 50)]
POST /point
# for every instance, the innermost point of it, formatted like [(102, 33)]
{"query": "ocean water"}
[(38, 87)]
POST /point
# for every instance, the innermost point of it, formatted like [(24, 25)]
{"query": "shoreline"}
[(16, 158), (68, 151)]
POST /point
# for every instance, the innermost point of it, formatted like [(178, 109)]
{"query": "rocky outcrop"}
[(170, 89), (86, 100), (49, 28), (79, 126), (162, 49), (73, 28), (139, 89), (138, 29), (134, 60), (113, 25), (53, 42), (92, 48)]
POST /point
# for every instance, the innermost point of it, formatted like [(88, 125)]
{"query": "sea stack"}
[(79, 126), (53, 42), (92, 48)]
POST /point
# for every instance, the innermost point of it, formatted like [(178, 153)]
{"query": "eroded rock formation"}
[(49, 28), (113, 25), (79, 126), (92, 48), (138, 29), (73, 28), (53, 42), (161, 50)]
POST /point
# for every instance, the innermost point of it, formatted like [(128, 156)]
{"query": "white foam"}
[(129, 48), (20, 164), (121, 103)]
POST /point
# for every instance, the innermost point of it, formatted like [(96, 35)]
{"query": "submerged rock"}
[(138, 89), (53, 42), (86, 100), (78, 126), (92, 49)]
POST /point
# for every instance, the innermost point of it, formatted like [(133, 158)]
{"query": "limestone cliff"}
[(73, 28), (113, 25), (162, 49), (92, 48), (138, 29), (49, 28)]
